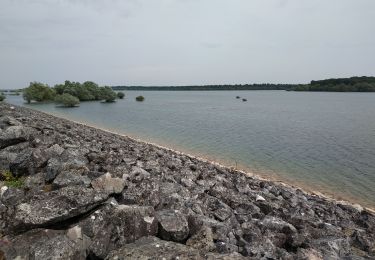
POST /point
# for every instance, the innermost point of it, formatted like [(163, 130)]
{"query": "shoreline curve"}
[(248, 172)]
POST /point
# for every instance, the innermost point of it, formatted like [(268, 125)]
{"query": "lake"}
[(319, 141)]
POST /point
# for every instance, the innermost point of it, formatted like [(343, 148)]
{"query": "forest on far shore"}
[(353, 84), (91, 91)]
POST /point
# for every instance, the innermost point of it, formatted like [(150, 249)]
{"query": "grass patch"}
[(10, 180)]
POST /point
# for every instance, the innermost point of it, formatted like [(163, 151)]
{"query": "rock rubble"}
[(91, 194)]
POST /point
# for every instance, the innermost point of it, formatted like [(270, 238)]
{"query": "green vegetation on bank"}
[(69, 94), (353, 84), (2, 96), (11, 92), (10, 180), (211, 87)]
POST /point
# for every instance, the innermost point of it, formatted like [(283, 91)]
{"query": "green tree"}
[(84, 92), (107, 94), (39, 92), (67, 100), (59, 89), (301, 88), (93, 88), (2, 96), (364, 87), (120, 95)]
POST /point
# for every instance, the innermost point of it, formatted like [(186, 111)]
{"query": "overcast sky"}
[(181, 42)]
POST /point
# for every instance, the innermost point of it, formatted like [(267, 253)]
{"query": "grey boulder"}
[(126, 225), (67, 178), (202, 240), (45, 244), (148, 248), (172, 225), (106, 183), (14, 135), (154, 248), (55, 206), (28, 162)]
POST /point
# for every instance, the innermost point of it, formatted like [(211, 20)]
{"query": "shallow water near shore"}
[(320, 141)]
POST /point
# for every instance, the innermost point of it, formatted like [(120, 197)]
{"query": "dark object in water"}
[(238, 97), (244, 99)]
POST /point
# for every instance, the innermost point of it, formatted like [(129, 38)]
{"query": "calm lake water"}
[(319, 141)]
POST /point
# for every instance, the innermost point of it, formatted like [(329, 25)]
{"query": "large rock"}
[(154, 248), (46, 244), (219, 229), (172, 225), (361, 241), (276, 224), (91, 225), (55, 206), (34, 183), (202, 240), (125, 225), (11, 196), (229, 256), (217, 208), (67, 178), (6, 121), (55, 166), (29, 161), (14, 135), (54, 151), (138, 174), (9, 154), (106, 183)]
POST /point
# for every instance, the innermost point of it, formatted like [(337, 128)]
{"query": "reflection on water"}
[(322, 141)]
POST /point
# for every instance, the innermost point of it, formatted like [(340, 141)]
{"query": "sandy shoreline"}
[(241, 169)]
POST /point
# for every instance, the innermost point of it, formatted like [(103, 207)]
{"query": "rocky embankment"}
[(83, 193)]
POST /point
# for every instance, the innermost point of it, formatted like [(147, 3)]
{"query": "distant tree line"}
[(353, 84), (69, 93), (211, 87), (11, 92)]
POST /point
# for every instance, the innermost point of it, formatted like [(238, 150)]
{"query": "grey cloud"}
[(157, 42)]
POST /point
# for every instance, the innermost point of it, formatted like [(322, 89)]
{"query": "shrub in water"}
[(39, 92), (140, 98), (120, 95), (107, 94), (67, 100)]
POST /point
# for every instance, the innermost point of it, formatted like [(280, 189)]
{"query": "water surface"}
[(320, 141)]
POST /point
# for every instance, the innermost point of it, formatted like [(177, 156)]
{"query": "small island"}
[(70, 94)]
